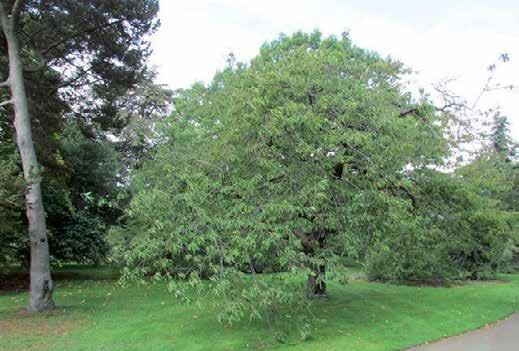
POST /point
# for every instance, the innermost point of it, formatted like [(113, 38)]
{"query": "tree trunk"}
[(317, 283), (316, 279), (41, 285)]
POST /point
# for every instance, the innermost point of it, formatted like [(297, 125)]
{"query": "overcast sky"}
[(438, 39)]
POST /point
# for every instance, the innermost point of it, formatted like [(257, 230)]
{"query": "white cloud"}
[(196, 37)]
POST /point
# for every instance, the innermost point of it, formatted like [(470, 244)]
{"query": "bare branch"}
[(8, 102), (5, 83)]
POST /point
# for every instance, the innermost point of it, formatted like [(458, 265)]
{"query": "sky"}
[(437, 39)]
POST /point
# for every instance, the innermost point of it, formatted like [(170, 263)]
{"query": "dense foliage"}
[(93, 101), (453, 234), (81, 205), (86, 53), (12, 230), (79, 200), (287, 163), (465, 223)]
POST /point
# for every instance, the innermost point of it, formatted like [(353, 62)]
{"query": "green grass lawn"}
[(99, 315)]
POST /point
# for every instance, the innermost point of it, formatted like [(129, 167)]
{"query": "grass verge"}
[(100, 315)]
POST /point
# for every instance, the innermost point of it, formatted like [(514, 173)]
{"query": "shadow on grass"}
[(17, 279)]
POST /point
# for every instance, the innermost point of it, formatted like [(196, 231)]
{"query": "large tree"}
[(95, 50), (284, 163)]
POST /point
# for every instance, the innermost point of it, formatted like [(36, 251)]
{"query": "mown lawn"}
[(100, 315)]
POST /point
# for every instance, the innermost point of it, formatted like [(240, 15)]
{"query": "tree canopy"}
[(289, 162)]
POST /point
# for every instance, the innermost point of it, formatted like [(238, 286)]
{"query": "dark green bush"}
[(452, 233)]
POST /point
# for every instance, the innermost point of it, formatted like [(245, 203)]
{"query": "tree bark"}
[(317, 278), (316, 282), (41, 284)]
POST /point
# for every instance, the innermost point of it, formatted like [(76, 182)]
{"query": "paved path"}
[(504, 336)]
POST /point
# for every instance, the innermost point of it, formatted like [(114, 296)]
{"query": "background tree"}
[(90, 53), (139, 112), (41, 281), (464, 122), (82, 202), (465, 220), (455, 232), (13, 236), (495, 172), (500, 134)]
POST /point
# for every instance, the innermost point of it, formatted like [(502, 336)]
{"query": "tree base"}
[(41, 290), (318, 296), (316, 287), (42, 308)]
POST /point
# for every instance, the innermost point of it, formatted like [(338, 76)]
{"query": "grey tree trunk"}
[(41, 285)]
